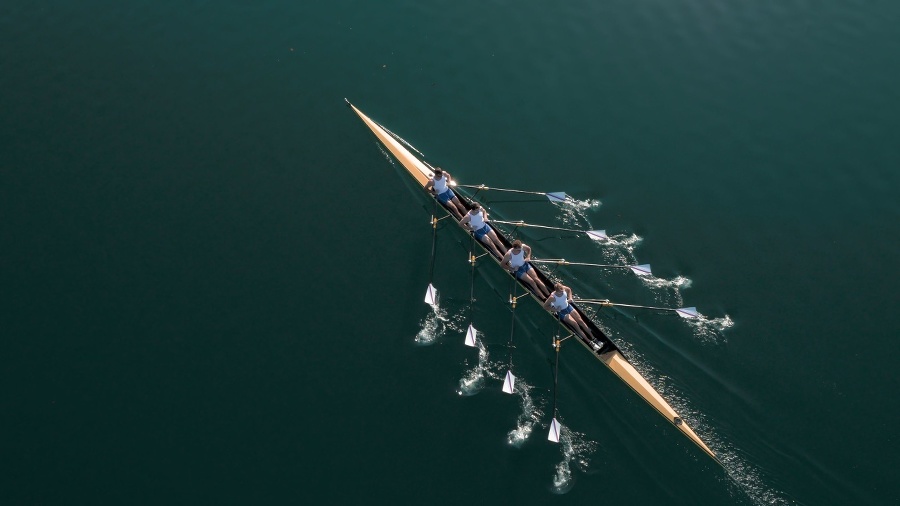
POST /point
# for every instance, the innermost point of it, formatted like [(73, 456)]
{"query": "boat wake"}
[(433, 326), (576, 450), (472, 381), (528, 418), (746, 481), (388, 157)]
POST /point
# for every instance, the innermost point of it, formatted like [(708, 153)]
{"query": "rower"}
[(440, 186), (516, 261), (559, 303), (476, 219)]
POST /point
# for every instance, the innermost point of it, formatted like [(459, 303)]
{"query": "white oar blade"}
[(470, 336), (555, 429), (509, 384), (641, 270), (688, 312), (598, 235), (431, 295), (557, 196)]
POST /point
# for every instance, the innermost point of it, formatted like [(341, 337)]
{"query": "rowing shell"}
[(608, 353)]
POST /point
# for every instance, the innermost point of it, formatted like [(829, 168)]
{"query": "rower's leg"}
[(530, 282), (492, 241), (580, 322), (534, 287), (486, 240), (538, 284), (458, 209), (499, 247), (451, 208), (574, 325)]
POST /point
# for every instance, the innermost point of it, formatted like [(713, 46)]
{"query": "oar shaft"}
[(433, 244), (564, 262), (488, 188), (556, 374), (608, 303), (512, 325), (523, 224), (644, 307), (472, 289)]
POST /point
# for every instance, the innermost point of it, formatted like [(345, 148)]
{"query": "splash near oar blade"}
[(509, 384), (431, 295), (688, 312), (641, 270), (555, 429), (597, 235), (470, 336), (557, 196)]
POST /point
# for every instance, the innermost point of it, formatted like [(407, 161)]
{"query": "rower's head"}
[(558, 287), (438, 173), (476, 208), (517, 244)]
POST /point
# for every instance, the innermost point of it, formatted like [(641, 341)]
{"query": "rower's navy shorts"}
[(481, 232), (562, 314), (522, 270), (445, 197)]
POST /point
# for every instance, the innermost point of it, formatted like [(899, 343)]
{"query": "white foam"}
[(432, 326), (528, 418), (574, 211), (710, 330), (576, 453), (472, 381), (619, 248)]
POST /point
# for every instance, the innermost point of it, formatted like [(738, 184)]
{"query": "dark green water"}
[(211, 278)]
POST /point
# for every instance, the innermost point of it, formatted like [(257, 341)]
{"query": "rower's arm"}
[(547, 303), (429, 184), (527, 252), (505, 261), (464, 220), (569, 294)]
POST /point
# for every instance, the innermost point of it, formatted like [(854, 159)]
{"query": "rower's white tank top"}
[(560, 302), (440, 185), (476, 220), (517, 260)]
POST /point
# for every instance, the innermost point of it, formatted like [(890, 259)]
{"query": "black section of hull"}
[(607, 344)]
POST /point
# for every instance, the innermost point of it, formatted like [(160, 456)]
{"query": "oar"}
[(552, 196), (431, 291), (684, 312), (471, 332), (509, 382), (597, 235), (640, 270), (555, 427)]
